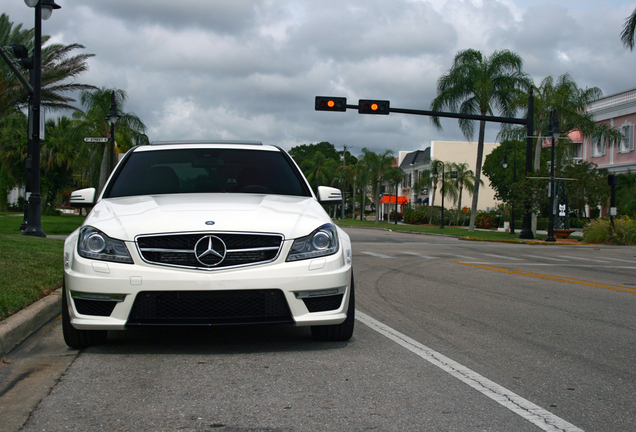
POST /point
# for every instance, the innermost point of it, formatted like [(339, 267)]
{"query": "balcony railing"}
[(612, 100)]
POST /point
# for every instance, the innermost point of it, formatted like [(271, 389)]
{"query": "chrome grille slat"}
[(178, 250)]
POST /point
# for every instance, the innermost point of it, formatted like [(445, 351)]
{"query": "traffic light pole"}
[(323, 103)]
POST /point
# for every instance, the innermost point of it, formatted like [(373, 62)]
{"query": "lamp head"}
[(505, 161), (46, 6)]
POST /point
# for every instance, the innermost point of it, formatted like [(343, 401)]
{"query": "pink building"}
[(619, 111)]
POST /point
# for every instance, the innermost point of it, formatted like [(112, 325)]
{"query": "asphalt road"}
[(451, 336)]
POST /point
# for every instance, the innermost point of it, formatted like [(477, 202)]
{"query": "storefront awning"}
[(401, 200)]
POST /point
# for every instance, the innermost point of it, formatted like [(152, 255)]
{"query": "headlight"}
[(322, 242), (94, 244)]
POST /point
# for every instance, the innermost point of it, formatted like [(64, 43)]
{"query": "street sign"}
[(95, 139)]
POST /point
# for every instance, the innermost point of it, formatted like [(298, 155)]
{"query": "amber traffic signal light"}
[(326, 103), (372, 106)]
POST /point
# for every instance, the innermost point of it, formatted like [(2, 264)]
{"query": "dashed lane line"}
[(378, 255), (584, 259), (503, 257), (420, 255), (545, 258), (533, 413)]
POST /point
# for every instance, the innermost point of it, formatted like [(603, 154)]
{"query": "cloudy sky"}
[(250, 69)]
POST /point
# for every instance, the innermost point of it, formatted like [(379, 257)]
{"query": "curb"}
[(23, 324)]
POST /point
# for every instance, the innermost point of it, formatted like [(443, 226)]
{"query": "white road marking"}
[(541, 418), (503, 257), (459, 256), (583, 259), (420, 255), (618, 259), (378, 255), (545, 258)]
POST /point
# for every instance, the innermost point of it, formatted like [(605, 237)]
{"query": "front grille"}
[(94, 307), (210, 307), (323, 303), (209, 251)]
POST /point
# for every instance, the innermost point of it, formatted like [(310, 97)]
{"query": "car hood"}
[(125, 218)]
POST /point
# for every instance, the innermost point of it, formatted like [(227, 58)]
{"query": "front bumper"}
[(110, 289)]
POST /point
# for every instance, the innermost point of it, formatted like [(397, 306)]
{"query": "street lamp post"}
[(435, 175), (43, 10), (514, 180), (554, 132), (111, 118)]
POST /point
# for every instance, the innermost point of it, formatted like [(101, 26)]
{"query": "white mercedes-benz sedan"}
[(206, 233)]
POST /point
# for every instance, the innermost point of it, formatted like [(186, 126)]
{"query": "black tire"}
[(74, 338), (338, 332)]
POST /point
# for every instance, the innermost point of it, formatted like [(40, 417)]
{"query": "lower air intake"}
[(210, 307)]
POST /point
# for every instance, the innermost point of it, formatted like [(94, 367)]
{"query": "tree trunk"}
[(353, 200), (362, 203), (478, 163), (377, 199)]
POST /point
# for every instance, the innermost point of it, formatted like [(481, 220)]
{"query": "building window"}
[(627, 143), (598, 146), (578, 151)]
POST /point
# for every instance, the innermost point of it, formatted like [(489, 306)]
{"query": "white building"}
[(413, 163)]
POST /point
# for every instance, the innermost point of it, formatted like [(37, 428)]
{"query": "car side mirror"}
[(83, 198), (329, 195)]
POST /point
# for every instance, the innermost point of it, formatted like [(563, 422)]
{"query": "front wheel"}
[(75, 338), (338, 332)]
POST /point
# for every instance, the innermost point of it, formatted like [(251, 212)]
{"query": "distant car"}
[(206, 233)]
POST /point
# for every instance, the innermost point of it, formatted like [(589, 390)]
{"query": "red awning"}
[(401, 200)]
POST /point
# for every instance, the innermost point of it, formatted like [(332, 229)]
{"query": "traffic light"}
[(22, 54), (326, 103), (372, 106)]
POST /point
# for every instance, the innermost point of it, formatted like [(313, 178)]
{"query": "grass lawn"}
[(435, 229), (31, 267)]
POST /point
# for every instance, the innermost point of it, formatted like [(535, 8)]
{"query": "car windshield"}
[(206, 171)]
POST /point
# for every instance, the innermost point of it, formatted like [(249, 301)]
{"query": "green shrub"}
[(578, 222), (600, 231), (415, 216)]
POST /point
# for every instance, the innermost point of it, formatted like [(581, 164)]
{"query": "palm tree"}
[(318, 169), (432, 179), (393, 175), (59, 71), (461, 178), (377, 165), (350, 175), (92, 122), (627, 35), (13, 151), (477, 84), (570, 101), (58, 157)]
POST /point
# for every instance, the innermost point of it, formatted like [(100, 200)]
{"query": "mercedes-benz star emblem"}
[(210, 251)]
